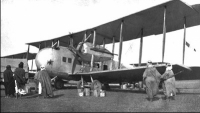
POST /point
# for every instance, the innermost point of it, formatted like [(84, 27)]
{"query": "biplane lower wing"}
[(133, 75), (115, 76)]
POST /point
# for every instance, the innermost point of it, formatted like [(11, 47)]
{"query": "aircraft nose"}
[(44, 57)]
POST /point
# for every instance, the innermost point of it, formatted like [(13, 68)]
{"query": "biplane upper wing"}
[(150, 21)]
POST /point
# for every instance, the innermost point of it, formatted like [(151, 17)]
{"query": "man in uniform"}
[(151, 78), (44, 81), (168, 85)]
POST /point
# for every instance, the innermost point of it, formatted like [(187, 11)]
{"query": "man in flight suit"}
[(151, 78)]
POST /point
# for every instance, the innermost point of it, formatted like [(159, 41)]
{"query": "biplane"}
[(82, 56)]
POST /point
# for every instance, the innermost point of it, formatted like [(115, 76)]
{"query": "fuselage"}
[(58, 61)]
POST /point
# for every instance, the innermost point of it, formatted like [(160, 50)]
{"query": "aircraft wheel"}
[(96, 85), (59, 84), (79, 84)]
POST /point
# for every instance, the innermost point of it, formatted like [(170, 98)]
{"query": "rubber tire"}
[(96, 85)]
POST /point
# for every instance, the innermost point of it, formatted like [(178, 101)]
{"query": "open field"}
[(116, 100)]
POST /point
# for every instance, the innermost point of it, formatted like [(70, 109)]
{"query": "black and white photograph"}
[(100, 56)]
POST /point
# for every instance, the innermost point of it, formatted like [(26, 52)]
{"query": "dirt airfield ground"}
[(116, 100)]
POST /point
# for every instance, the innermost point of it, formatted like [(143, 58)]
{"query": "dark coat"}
[(19, 76), (8, 75), (9, 82)]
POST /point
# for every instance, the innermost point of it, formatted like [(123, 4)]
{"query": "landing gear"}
[(58, 84), (18, 95), (96, 85), (140, 85), (80, 85)]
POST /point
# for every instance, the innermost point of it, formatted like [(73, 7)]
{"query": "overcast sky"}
[(24, 21)]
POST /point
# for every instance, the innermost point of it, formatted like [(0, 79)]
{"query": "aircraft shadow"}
[(64, 88), (142, 91), (181, 93), (36, 96), (29, 95), (57, 96), (126, 90), (156, 98), (70, 87), (136, 90)]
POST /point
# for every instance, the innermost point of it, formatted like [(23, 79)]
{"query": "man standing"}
[(168, 85), (44, 80), (151, 78), (19, 76), (9, 82)]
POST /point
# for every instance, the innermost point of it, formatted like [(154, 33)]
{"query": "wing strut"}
[(184, 38), (71, 41), (120, 46), (92, 80), (52, 43), (39, 46), (104, 48), (27, 53), (141, 43), (164, 34), (58, 42), (39, 50), (27, 57), (82, 81), (92, 59), (113, 48), (32, 65)]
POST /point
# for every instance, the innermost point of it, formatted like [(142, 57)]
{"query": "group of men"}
[(152, 78), (16, 82)]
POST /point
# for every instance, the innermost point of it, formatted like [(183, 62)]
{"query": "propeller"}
[(77, 52)]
